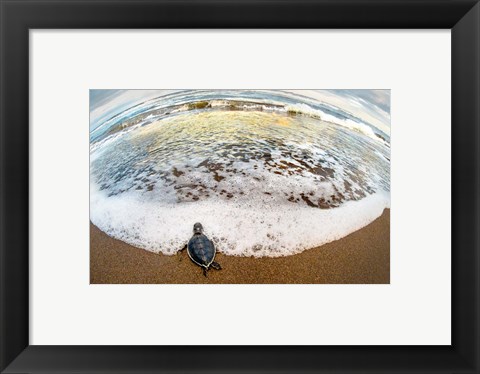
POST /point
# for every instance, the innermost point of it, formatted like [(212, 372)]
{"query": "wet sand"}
[(361, 257)]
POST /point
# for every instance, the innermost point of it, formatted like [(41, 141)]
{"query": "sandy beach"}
[(361, 257)]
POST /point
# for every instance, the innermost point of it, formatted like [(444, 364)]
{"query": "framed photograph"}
[(232, 186), (269, 186)]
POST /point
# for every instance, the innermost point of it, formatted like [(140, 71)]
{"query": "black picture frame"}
[(19, 16)]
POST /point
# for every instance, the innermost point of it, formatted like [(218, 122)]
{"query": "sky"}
[(104, 104), (372, 106)]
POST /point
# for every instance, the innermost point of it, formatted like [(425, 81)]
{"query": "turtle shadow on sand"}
[(201, 250)]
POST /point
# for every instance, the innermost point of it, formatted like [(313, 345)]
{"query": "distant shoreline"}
[(361, 257)]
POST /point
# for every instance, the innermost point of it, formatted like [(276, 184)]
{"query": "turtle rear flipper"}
[(215, 265)]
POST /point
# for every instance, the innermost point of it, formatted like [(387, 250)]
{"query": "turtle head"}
[(197, 228)]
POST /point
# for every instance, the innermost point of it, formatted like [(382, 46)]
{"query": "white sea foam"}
[(252, 229)]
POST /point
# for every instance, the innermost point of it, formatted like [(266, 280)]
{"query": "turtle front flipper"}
[(215, 265), (183, 248), (180, 252)]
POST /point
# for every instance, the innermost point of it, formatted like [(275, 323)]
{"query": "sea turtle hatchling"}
[(201, 250)]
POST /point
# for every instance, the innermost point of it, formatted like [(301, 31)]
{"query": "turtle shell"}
[(201, 250)]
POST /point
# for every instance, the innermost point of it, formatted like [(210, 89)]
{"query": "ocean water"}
[(266, 173)]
